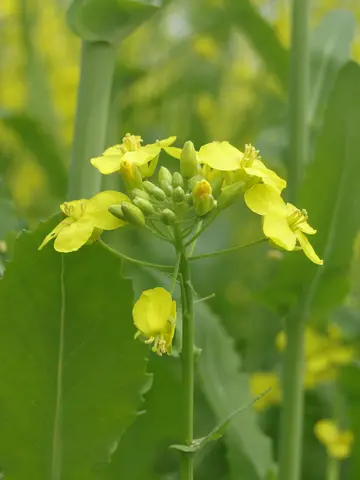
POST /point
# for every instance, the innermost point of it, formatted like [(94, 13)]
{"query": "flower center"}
[(74, 211), (297, 218), (132, 142), (202, 189), (250, 155)]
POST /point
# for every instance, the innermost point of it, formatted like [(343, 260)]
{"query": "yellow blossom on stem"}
[(259, 383), (85, 221), (338, 442), (283, 223), (131, 152), (154, 316)]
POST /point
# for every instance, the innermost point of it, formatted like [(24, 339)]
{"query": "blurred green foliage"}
[(201, 70)]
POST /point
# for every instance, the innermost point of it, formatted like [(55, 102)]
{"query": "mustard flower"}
[(131, 153), (338, 442), (85, 221), (283, 223), (259, 383), (202, 197), (154, 316)]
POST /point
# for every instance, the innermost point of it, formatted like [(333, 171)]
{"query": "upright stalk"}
[(187, 356), (292, 416), (96, 75)]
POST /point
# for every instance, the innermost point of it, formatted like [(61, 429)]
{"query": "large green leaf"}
[(330, 50), (330, 194), (36, 139), (227, 389), (71, 373), (108, 20)]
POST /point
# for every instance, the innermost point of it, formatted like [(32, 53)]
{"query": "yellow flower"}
[(259, 383), (338, 442), (202, 197), (86, 219), (283, 223), (131, 152), (154, 316)]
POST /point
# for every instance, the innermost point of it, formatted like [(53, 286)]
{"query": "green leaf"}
[(108, 20), (330, 195), (8, 219), (330, 50), (262, 36), (225, 388), (71, 373), (34, 138)]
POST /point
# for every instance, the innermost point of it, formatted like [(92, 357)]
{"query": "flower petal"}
[(308, 249), (97, 209), (220, 156), (107, 164), (74, 236), (277, 228), (306, 228), (141, 156), (166, 141), (55, 232), (74, 209), (326, 431), (152, 311), (263, 199), (174, 151)]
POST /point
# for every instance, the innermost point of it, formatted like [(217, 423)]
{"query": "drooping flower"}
[(338, 442), (85, 221), (283, 223), (154, 316), (131, 153)]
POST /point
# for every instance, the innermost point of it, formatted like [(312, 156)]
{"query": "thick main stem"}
[(187, 357), (96, 75), (292, 416)]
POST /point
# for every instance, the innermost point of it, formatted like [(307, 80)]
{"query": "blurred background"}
[(199, 73)]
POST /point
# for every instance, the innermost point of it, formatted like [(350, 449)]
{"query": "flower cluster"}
[(338, 442), (171, 204)]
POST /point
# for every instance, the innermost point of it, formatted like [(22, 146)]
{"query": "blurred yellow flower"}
[(206, 47), (133, 153), (85, 221), (154, 316), (283, 223), (338, 442), (259, 383)]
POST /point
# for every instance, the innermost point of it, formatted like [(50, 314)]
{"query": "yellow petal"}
[(258, 169), (338, 450), (152, 311), (74, 236), (97, 209), (141, 156), (55, 232), (107, 164), (173, 151), (220, 156), (74, 209), (307, 247), (171, 325), (148, 169), (342, 354), (166, 141), (263, 199), (115, 150), (306, 228), (277, 228), (261, 381), (326, 431)]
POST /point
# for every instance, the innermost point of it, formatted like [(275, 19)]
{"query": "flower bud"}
[(177, 180), (167, 216), (155, 191), (116, 210), (133, 214), (188, 160), (137, 192), (178, 195), (230, 194), (144, 205), (131, 175), (202, 197), (165, 181)]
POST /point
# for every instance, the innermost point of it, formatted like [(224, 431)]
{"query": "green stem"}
[(333, 469), (292, 414), (96, 74), (135, 260), (199, 232), (226, 250), (187, 355)]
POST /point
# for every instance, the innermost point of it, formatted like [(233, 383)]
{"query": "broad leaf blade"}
[(330, 50), (71, 373), (330, 195), (226, 389), (108, 20)]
